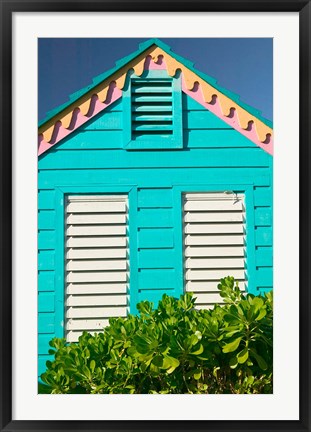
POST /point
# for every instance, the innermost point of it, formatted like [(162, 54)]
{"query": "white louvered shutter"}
[(96, 262), (214, 243)]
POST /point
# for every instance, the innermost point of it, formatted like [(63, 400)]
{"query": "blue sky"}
[(242, 65)]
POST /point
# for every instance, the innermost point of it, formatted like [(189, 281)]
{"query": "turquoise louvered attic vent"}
[(152, 108), (153, 118)]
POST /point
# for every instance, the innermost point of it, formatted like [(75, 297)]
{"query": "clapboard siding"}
[(46, 280), (46, 323), (112, 120), (213, 154), (46, 302), (154, 218), (155, 178), (199, 118), (264, 256), (263, 216), (46, 239), (43, 359), (46, 260), (155, 238), (192, 138), (150, 278), (154, 198), (201, 128), (264, 276), (263, 236), (203, 119), (43, 345), (262, 195), (46, 219), (211, 138), (92, 140), (46, 199), (70, 159), (156, 258), (154, 295)]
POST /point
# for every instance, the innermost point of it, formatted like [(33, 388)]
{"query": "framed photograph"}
[(148, 219)]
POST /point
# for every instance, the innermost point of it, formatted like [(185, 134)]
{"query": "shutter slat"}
[(96, 300), (96, 312), (212, 263), (213, 228), (96, 207), (214, 251), (205, 286), (214, 274), (208, 298), (97, 276), (227, 205), (80, 265), (96, 230), (106, 242), (206, 306), (94, 288), (151, 89), (73, 336), (96, 253), (153, 98), (152, 118), (214, 240), (139, 108), (83, 324), (79, 219), (152, 127), (214, 217)]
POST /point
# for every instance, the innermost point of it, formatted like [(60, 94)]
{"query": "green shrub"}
[(173, 349)]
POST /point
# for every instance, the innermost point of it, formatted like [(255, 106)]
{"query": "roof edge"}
[(144, 46)]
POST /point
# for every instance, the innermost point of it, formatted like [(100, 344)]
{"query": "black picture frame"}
[(7, 9)]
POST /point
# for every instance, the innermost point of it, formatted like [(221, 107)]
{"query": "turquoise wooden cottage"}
[(152, 180)]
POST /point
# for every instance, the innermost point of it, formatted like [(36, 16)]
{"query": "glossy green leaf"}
[(261, 315), (261, 362), (232, 346), (233, 362), (198, 351), (197, 375), (158, 361), (242, 356), (170, 364), (92, 365)]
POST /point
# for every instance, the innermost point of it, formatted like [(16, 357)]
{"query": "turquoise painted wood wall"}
[(92, 160)]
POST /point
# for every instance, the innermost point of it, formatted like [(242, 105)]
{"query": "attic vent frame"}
[(153, 112)]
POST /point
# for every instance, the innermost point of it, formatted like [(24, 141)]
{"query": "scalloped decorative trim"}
[(110, 90)]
